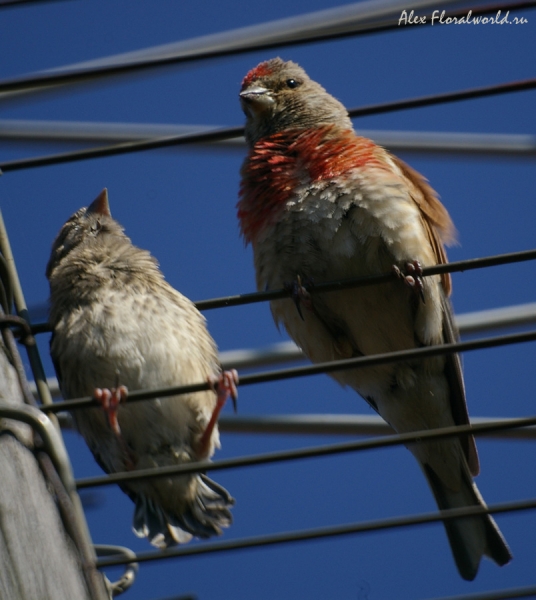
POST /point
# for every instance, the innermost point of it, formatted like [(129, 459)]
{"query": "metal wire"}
[(325, 532), (452, 267), (6, 289), (48, 433), (495, 144), (219, 134), (524, 592), (22, 311), (7, 320), (14, 356), (331, 286), (127, 579), (352, 424), (11, 3), (431, 100), (181, 597), (213, 135), (328, 424), (288, 352), (325, 25), (315, 369), (302, 453)]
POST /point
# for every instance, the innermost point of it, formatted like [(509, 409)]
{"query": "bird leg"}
[(299, 293), (110, 399), (411, 274), (224, 385)]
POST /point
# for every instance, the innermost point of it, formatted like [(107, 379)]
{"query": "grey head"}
[(83, 229), (278, 95)]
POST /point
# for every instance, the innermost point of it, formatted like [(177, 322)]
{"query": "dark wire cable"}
[(303, 453), (415, 142), (315, 369), (63, 77), (505, 594), (219, 134), (453, 267), (330, 286), (323, 532), (12, 3), (481, 92)]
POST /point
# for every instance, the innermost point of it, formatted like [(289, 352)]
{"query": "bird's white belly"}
[(358, 238), (101, 348)]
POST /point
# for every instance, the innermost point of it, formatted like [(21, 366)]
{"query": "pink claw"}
[(110, 399), (412, 276), (300, 295), (224, 385)]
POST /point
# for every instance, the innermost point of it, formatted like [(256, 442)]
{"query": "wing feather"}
[(436, 220), (440, 229)]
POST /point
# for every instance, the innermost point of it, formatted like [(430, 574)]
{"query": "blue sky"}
[(180, 204)]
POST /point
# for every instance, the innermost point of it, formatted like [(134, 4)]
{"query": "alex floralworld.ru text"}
[(441, 19)]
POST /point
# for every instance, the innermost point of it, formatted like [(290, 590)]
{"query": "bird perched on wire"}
[(318, 203), (118, 324)]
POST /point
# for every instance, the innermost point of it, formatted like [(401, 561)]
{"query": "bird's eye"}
[(292, 83), (96, 227)]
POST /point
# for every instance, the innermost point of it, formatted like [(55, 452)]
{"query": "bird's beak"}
[(100, 205), (256, 100)]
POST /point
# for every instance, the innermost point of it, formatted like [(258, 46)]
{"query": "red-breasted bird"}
[(319, 203), (118, 324)]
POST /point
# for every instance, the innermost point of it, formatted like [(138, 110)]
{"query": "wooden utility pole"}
[(43, 556), (38, 560)]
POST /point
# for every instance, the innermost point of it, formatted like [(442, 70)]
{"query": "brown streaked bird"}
[(319, 203), (118, 324)]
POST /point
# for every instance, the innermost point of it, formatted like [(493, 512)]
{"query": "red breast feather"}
[(278, 164)]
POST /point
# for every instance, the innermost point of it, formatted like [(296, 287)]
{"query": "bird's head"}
[(278, 95), (83, 228)]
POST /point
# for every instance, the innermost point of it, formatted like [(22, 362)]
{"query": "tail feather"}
[(470, 538), (203, 517)]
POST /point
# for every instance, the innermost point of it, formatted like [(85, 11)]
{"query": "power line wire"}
[(329, 424), (506, 594), (288, 352), (494, 144), (303, 453), (15, 3), (352, 424), (219, 134), (452, 267), (330, 286), (323, 532), (315, 369), (325, 25)]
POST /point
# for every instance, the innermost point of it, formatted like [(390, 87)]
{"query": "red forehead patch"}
[(259, 71)]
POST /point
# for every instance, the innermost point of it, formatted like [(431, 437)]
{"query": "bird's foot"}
[(300, 294), (110, 399), (411, 274), (224, 385)]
